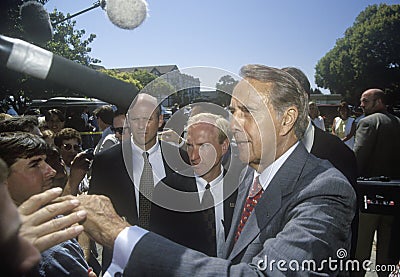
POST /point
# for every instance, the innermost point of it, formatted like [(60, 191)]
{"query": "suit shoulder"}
[(323, 172)]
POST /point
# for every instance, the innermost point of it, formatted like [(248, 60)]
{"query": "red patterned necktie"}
[(255, 193)]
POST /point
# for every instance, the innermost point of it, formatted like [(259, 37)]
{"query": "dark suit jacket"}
[(329, 147), (178, 192), (304, 214), (377, 145), (110, 177)]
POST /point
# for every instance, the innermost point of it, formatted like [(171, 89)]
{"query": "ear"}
[(225, 146), (160, 120), (288, 120)]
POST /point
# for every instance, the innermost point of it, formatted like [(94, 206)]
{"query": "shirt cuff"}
[(123, 247)]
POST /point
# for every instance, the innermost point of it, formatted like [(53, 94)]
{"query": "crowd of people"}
[(259, 190)]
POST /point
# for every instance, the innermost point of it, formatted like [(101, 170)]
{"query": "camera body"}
[(89, 153)]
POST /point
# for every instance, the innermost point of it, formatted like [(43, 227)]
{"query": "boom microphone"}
[(126, 14), (36, 22), (24, 57)]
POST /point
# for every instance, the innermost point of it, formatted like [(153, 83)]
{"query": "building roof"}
[(155, 69)]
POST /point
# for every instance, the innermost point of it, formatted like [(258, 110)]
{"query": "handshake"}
[(43, 226)]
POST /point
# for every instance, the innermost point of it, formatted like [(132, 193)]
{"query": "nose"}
[(142, 123), (49, 171), (194, 154), (236, 123)]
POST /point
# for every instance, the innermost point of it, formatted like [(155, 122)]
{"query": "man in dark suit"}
[(377, 148), (325, 145), (207, 143), (119, 172), (291, 206), (329, 147)]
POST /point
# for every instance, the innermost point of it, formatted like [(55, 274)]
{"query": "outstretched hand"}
[(102, 223), (40, 224)]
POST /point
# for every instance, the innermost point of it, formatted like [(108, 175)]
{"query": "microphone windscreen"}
[(36, 22), (126, 14)]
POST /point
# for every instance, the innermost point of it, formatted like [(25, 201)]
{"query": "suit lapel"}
[(270, 202), (259, 218), (241, 198), (229, 202)]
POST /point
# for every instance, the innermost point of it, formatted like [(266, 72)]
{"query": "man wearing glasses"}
[(119, 127)]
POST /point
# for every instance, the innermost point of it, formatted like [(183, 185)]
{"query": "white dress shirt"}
[(308, 138), (157, 164), (217, 191)]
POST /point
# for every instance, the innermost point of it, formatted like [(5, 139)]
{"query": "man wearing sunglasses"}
[(119, 127)]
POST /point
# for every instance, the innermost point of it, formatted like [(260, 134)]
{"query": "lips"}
[(47, 185)]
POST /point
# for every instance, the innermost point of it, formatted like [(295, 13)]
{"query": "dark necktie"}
[(255, 193), (207, 203), (146, 188)]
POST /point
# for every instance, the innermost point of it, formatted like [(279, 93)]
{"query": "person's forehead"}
[(202, 127), (35, 158), (251, 91), (143, 109), (367, 95)]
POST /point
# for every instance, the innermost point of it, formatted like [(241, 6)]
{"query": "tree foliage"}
[(367, 56), (123, 76), (67, 42), (225, 88), (143, 80)]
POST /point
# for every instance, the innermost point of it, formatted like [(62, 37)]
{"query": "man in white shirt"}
[(290, 207), (123, 172), (207, 142)]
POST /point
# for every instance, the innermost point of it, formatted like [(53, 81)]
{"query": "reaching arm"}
[(40, 225)]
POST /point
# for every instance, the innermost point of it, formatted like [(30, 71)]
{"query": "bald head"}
[(372, 101), (144, 119)]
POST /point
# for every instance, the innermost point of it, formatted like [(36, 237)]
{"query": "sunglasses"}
[(119, 130), (68, 146)]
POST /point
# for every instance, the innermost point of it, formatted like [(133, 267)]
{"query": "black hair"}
[(20, 145)]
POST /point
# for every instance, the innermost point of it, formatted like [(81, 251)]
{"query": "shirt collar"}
[(203, 182), (140, 151), (308, 138), (269, 173)]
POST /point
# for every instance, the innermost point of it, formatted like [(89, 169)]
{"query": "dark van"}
[(70, 106)]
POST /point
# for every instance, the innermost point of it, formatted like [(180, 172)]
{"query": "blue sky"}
[(225, 34)]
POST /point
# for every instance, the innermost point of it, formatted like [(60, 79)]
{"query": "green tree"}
[(67, 42), (143, 80), (367, 56), (144, 77), (225, 88), (123, 76)]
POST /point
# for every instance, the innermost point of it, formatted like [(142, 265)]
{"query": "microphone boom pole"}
[(30, 59), (95, 5)]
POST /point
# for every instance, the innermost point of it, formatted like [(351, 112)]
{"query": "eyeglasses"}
[(68, 146), (119, 130)]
